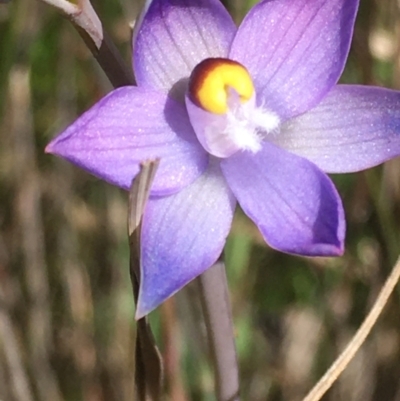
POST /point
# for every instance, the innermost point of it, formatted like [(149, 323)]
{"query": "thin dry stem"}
[(87, 23), (148, 361), (348, 354), (83, 15), (214, 296)]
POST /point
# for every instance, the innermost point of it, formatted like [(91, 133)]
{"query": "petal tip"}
[(340, 250), (145, 306), (141, 312), (49, 148), (53, 147), (326, 250)]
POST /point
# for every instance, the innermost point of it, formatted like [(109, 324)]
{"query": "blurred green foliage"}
[(66, 310)]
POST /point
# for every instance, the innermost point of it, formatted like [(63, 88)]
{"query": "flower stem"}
[(109, 59), (83, 16), (215, 302)]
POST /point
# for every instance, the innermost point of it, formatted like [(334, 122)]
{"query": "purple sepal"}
[(352, 129), (182, 236), (295, 50), (175, 36), (129, 126), (293, 203)]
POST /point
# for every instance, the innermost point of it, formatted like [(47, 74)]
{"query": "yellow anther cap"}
[(211, 80)]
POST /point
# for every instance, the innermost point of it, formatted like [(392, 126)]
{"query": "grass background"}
[(66, 309)]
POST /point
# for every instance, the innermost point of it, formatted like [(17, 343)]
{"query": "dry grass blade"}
[(348, 354), (139, 193), (148, 363)]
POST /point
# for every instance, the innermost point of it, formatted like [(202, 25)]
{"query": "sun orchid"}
[(251, 115)]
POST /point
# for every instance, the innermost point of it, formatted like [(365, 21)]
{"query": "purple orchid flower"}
[(266, 144)]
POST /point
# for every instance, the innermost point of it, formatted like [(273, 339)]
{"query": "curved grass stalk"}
[(347, 355)]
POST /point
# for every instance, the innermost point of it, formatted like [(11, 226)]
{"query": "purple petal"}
[(182, 236), (175, 36), (128, 126), (353, 128), (293, 203), (295, 50)]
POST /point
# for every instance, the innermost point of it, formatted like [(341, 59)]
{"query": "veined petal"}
[(295, 50), (175, 36), (293, 203), (182, 236), (353, 128), (128, 126)]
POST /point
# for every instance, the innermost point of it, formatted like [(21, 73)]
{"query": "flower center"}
[(212, 80), (222, 107)]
